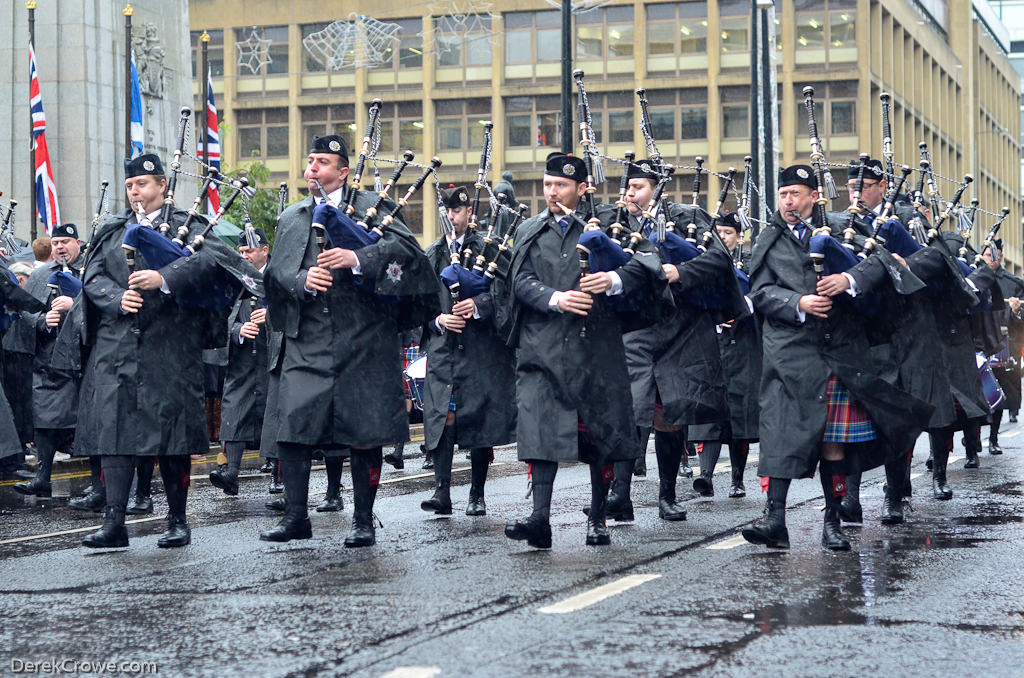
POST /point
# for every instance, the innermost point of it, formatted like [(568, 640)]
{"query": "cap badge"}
[(567, 168), (802, 173), (334, 146), (148, 165)]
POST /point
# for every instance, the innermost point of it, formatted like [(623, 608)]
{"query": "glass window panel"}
[(663, 123), (693, 36), (449, 107), (694, 123), (731, 95), (449, 133), (619, 14), (666, 97), (343, 112), (694, 10), (249, 116), (410, 135), (620, 127), (549, 44), (249, 142), (734, 34), (515, 20), (479, 107), (276, 114), (589, 18), (810, 31), (310, 131), (519, 130), (589, 42), (409, 109), (549, 102), (841, 32), (476, 133), (733, 7), (661, 11), (478, 49), (547, 18), (278, 53), (518, 105), (661, 38), (313, 113), (277, 142), (735, 122), (518, 47), (450, 50), (620, 40), (547, 129), (843, 117)]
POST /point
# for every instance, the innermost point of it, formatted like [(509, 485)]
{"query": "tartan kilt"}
[(847, 422)]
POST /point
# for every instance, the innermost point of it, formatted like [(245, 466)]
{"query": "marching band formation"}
[(834, 341)]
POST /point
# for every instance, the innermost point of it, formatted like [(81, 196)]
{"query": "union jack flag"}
[(46, 191), (212, 197)]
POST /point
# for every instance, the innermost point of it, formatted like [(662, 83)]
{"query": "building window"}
[(277, 50), (460, 123), (835, 109), (457, 47), (408, 44), (533, 121), (826, 26), (401, 128), (322, 120), (214, 53), (735, 112), (677, 29), (262, 133), (613, 119), (533, 36), (312, 63), (605, 34), (734, 26)]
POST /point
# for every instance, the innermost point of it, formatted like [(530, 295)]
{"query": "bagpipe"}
[(8, 242)]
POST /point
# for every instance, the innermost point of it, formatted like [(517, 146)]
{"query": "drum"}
[(993, 393), (415, 374)]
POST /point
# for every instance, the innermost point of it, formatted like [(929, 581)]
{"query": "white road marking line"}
[(1010, 435), (730, 543), (915, 476), (952, 459), (588, 598), (91, 528), (413, 672)]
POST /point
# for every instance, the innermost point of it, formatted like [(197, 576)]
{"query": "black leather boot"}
[(738, 462), (397, 457), (993, 433), (597, 528), (276, 486), (668, 446), (295, 523), (365, 480), (831, 474), (93, 502), (227, 480), (770, 530), (972, 445), (892, 504), (174, 470), (143, 501), (117, 479), (441, 502), (113, 534), (480, 459), (39, 485), (279, 504), (940, 456), (333, 502), (536, 530), (850, 509), (640, 466), (707, 457), (619, 502)]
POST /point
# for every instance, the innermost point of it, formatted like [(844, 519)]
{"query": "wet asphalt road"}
[(940, 595)]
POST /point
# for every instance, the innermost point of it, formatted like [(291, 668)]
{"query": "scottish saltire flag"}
[(137, 132), (213, 148), (46, 191)]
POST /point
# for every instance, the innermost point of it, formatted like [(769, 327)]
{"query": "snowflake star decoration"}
[(254, 52), (356, 42)]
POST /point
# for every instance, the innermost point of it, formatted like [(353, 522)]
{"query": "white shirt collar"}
[(334, 196)]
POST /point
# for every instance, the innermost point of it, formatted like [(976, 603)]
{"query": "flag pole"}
[(34, 219), (128, 12), (204, 40)]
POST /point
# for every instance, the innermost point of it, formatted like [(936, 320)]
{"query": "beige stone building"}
[(441, 77)]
